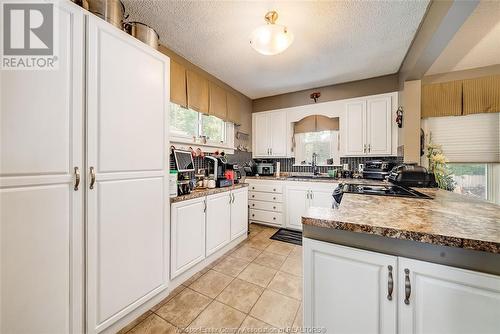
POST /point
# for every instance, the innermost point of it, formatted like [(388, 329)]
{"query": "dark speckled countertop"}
[(449, 219), (205, 192)]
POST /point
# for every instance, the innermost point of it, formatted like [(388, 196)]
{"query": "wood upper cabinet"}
[(233, 108), (197, 92), (218, 102), (178, 89)]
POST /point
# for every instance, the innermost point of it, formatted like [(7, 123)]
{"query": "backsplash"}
[(355, 161), (239, 157)]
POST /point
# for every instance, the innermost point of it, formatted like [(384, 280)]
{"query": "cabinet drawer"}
[(268, 188), (266, 216), (268, 206), (269, 197)]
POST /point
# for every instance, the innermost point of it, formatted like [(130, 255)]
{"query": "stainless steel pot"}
[(112, 11), (143, 32)]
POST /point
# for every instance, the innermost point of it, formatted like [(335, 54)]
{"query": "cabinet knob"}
[(274, 198), (253, 196), (253, 204), (253, 215), (274, 189), (253, 187), (274, 218), (274, 207)]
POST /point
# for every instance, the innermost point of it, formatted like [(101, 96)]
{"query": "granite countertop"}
[(449, 219), (323, 179), (205, 192)]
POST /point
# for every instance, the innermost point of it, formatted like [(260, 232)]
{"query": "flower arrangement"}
[(438, 164)]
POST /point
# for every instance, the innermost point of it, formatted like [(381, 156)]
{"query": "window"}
[(187, 123), (471, 179), (323, 143)]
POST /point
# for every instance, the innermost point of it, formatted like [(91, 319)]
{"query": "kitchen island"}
[(403, 265)]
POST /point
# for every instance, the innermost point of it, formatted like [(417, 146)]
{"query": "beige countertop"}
[(205, 192), (449, 219)]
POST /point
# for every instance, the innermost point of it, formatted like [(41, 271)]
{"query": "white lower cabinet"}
[(187, 235), (301, 196), (239, 213), (347, 290), (202, 226), (447, 300), (218, 223)]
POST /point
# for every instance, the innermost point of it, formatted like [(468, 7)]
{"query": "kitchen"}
[(173, 169)]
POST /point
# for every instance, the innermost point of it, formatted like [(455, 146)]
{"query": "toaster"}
[(265, 168)]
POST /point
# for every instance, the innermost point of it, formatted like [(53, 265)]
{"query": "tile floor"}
[(254, 287)]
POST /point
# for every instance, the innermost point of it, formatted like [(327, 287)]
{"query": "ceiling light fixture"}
[(271, 38)]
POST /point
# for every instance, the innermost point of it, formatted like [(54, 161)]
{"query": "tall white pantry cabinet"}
[(83, 182)]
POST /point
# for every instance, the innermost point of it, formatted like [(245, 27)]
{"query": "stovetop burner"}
[(389, 190)]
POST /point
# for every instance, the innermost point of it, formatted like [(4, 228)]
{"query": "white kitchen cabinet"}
[(187, 245), (301, 196), (218, 222), (127, 155), (447, 300), (269, 134), (347, 290), (41, 214), (239, 212), (368, 128)]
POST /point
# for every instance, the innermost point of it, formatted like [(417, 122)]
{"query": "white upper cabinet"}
[(368, 128), (446, 300), (269, 134), (127, 154), (41, 213)]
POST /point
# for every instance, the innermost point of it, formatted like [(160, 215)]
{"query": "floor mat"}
[(290, 236)]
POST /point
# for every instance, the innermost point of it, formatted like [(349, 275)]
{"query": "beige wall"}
[(411, 121), (378, 85), (462, 75), (246, 103)]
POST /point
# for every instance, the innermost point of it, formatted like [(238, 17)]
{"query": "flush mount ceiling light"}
[(271, 38)]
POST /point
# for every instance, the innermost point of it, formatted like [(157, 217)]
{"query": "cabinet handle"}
[(369, 148), (407, 287), (77, 178), (234, 198), (230, 198), (390, 283), (204, 206), (364, 148), (312, 195), (92, 177)]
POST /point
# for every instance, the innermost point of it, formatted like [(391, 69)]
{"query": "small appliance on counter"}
[(217, 168), (265, 168), (377, 169), (250, 168), (412, 175)]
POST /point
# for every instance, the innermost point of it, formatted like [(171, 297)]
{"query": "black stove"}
[(383, 190)]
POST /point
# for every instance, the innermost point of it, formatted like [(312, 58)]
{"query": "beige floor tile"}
[(275, 309), (298, 322), (241, 295), (257, 274), (183, 308), (192, 279), (288, 285), (292, 266), (217, 316), (246, 253), (253, 234), (211, 284), (268, 232), (271, 260), (296, 252), (154, 325), (171, 295), (259, 242), (254, 326), (134, 323), (256, 228), (231, 266), (279, 247)]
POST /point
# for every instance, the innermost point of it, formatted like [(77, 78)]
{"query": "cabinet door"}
[(239, 213), (322, 197), (447, 300), (128, 211), (379, 126), (187, 246), (355, 128), (218, 225), (278, 133), (41, 217), (297, 202), (346, 289), (261, 138)]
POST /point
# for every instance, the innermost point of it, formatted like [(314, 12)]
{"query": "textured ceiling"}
[(335, 41), (476, 44)]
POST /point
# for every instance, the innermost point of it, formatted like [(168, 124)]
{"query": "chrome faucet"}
[(314, 164)]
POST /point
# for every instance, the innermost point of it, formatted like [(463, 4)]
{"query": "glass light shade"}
[(271, 39)]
